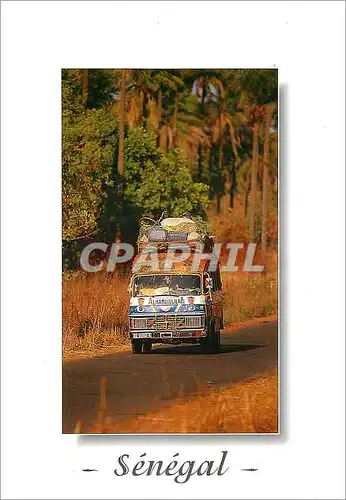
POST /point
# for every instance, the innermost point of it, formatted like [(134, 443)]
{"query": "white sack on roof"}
[(175, 221)]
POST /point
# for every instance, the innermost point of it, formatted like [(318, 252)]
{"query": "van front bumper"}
[(167, 326), (168, 335)]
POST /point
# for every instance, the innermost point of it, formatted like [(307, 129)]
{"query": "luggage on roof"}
[(167, 231)]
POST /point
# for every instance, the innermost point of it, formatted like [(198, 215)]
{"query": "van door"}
[(208, 293), (217, 299)]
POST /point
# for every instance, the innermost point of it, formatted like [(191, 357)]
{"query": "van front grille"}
[(167, 322)]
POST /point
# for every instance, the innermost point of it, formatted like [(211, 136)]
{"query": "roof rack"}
[(170, 231)]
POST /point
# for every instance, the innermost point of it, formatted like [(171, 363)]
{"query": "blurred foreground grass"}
[(246, 407)]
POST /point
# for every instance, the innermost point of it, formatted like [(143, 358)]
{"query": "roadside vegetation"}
[(138, 142), (246, 407), (141, 142), (95, 308)]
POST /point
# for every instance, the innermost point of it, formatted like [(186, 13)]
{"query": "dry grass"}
[(95, 309), (246, 407), (233, 224), (249, 296), (95, 306)]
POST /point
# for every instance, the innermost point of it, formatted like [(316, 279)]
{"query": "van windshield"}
[(167, 285)]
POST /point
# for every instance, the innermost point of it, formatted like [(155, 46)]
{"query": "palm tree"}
[(260, 89), (256, 119), (182, 127), (265, 182), (201, 89), (148, 91), (220, 126), (140, 91), (189, 136), (122, 124), (202, 81)]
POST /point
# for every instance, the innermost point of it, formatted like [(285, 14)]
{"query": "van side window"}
[(205, 276), (213, 278)]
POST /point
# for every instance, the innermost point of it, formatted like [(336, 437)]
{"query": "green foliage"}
[(155, 182), (201, 119), (88, 138), (88, 149), (102, 86), (260, 84)]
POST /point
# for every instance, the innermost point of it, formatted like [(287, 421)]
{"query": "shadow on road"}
[(196, 350)]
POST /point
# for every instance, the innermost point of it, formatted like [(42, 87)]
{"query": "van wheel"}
[(211, 344), (147, 347), (137, 346), (217, 341), (205, 346)]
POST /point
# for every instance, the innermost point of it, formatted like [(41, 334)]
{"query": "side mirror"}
[(129, 288), (209, 284)]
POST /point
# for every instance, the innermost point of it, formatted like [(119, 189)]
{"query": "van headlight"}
[(139, 323), (193, 321)]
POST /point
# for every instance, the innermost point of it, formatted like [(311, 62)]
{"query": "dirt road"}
[(137, 384)]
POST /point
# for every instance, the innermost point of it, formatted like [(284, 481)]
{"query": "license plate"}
[(166, 335), (142, 335)]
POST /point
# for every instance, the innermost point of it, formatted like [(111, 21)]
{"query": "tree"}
[(265, 182), (155, 182), (85, 87), (220, 126), (202, 79), (87, 151), (141, 91), (137, 141), (122, 124), (254, 166), (261, 88), (184, 127)]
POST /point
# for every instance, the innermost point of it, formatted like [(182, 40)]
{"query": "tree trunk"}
[(233, 138), (85, 87), (141, 108), (163, 139), (122, 124), (175, 119), (159, 114), (253, 182), (200, 147), (218, 203), (233, 187), (221, 138), (220, 170), (247, 196), (200, 163), (268, 119)]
